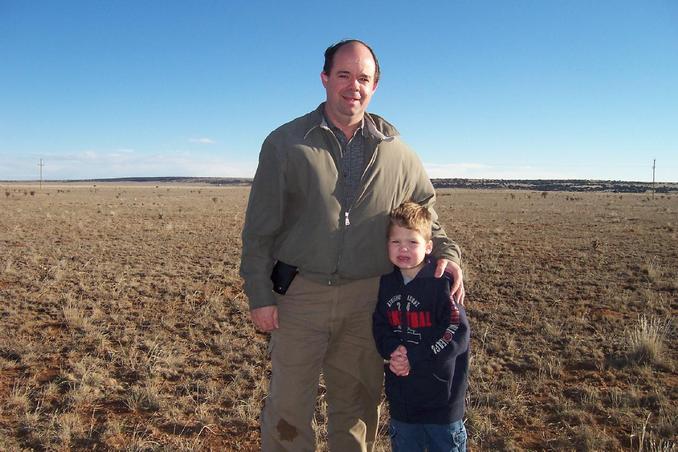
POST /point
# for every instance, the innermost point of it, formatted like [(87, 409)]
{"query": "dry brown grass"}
[(123, 325), (647, 341)]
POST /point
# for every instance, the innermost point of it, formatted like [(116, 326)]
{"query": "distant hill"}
[(578, 185), (572, 185), (173, 179)]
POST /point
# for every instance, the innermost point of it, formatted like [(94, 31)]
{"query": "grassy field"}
[(123, 325)]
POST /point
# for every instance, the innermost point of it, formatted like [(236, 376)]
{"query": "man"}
[(320, 201)]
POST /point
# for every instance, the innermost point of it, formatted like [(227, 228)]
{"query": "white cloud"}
[(202, 141), (125, 162), (95, 164), (484, 171)]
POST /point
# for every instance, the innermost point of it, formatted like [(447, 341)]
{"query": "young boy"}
[(423, 335)]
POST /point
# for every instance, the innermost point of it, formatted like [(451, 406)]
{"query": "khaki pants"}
[(326, 328)]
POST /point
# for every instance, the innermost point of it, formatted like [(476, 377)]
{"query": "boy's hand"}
[(399, 364), (402, 370)]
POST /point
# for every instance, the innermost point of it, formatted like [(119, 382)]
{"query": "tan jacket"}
[(294, 212)]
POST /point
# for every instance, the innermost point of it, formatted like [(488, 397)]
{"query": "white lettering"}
[(442, 342), (413, 300), (394, 299)]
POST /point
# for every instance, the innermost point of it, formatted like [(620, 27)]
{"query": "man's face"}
[(350, 84)]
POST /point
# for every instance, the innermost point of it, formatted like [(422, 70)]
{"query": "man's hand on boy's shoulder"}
[(457, 290)]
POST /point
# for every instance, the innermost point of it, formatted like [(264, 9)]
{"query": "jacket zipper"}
[(363, 188)]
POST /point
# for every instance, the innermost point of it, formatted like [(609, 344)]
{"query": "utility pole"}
[(41, 165), (654, 163)]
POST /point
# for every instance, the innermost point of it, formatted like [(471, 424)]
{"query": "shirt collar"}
[(368, 127), (326, 123)]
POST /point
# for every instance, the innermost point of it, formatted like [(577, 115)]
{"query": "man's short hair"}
[(410, 215), (332, 50)]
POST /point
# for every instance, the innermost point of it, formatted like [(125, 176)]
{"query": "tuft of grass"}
[(647, 341), (19, 398), (74, 315), (144, 398), (651, 270), (588, 438)]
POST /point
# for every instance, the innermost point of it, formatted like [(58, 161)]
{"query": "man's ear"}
[(324, 78)]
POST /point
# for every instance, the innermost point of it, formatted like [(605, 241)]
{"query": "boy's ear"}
[(429, 246)]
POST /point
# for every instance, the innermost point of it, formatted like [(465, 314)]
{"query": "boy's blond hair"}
[(413, 216)]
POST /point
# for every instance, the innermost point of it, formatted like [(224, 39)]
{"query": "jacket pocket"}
[(391, 385), (426, 389)]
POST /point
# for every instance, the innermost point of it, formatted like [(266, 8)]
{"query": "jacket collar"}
[(369, 126), (427, 271)]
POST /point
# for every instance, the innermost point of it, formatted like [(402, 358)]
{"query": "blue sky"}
[(480, 89)]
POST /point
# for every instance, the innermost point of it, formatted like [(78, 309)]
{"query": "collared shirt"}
[(351, 161)]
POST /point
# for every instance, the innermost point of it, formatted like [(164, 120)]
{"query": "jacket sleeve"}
[(424, 194), (452, 333), (443, 246), (384, 337), (263, 221)]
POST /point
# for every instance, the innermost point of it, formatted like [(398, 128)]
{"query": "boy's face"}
[(407, 249)]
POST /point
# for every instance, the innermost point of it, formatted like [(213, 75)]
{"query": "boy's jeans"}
[(431, 437)]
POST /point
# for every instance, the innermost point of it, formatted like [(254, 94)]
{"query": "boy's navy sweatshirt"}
[(423, 317)]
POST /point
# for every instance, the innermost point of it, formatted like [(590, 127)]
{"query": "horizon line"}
[(245, 178)]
